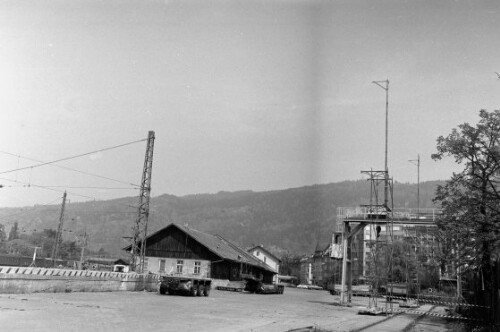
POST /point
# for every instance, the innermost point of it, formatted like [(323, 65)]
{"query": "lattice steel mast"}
[(55, 249), (385, 85), (140, 229)]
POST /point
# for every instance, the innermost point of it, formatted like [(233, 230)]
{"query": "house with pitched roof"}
[(267, 258), (182, 251)]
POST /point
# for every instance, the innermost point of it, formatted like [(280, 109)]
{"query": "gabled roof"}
[(261, 248), (217, 245)]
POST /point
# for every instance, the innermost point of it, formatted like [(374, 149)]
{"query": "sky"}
[(241, 95)]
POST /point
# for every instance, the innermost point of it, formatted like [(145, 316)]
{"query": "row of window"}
[(180, 266)]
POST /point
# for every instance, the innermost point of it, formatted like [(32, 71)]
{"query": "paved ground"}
[(221, 311)]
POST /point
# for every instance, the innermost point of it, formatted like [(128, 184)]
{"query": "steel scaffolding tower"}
[(140, 228)]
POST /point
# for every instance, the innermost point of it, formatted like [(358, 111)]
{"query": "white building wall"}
[(268, 260), (153, 265)]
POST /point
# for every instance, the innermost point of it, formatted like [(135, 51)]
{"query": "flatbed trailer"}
[(194, 286), (254, 285)]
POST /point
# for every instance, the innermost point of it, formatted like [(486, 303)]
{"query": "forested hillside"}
[(293, 220)]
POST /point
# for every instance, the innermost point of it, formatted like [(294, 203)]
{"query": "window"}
[(180, 264), (197, 267), (162, 265)]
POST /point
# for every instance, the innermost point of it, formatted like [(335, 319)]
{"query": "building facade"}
[(267, 258), (183, 251)]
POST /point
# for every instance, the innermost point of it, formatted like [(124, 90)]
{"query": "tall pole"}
[(385, 85), (140, 229), (55, 250), (83, 249)]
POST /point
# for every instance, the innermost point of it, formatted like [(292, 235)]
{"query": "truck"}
[(194, 286)]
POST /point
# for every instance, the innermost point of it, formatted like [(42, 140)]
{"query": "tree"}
[(470, 200), (2, 233), (13, 233)]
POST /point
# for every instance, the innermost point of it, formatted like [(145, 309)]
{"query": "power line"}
[(107, 188), (28, 185), (72, 157), (46, 188), (70, 169)]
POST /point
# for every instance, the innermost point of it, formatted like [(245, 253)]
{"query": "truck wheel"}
[(192, 291), (199, 291), (171, 292), (162, 291), (206, 291)]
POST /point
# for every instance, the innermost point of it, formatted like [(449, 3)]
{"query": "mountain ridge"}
[(293, 220)]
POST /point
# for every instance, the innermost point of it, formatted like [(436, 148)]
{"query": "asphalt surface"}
[(221, 311)]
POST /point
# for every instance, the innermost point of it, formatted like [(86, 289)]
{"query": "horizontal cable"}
[(69, 158), (71, 169)]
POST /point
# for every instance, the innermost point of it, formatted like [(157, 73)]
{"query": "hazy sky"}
[(257, 95)]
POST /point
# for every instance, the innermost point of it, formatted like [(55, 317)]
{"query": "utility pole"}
[(140, 228), (83, 249), (417, 162), (55, 250), (385, 85)]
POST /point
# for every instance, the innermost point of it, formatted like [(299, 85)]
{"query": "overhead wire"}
[(76, 187), (46, 188), (69, 168), (72, 157), (62, 191), (52, 188)]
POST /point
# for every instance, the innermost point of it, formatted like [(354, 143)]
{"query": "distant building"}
[(180, 250), (320, 268), (306, 276), (106, 264), (267, 258)]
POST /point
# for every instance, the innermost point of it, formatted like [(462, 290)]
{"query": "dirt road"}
[(221, 311)]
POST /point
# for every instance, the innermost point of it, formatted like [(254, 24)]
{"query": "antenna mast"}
[(140, 229), (385, 85)]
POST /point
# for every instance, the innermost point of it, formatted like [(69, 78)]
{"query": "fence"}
[(35, 279)]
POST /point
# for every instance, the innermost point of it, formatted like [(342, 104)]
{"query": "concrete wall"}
[(34, 279)]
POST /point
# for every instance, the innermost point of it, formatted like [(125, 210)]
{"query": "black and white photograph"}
[(250, 165)]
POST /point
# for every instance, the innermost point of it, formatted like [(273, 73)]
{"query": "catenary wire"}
[(61, 191), (72, 157), (70, 169)]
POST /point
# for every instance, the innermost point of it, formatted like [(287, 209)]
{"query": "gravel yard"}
[(221, 311)]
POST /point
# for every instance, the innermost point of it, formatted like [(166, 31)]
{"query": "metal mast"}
[(140, 229), (385, 85), (55, 250)]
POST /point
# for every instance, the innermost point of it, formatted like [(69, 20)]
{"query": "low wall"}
[(35, 279)]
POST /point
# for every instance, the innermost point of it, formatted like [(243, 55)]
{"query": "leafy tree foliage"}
[(2, 233), (14, 233), (290, 265), (470, 227)]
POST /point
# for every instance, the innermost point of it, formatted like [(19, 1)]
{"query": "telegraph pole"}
[(385, 85), (55, 250), (140, 229)]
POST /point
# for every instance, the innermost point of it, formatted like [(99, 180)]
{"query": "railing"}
[(367, 213)]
